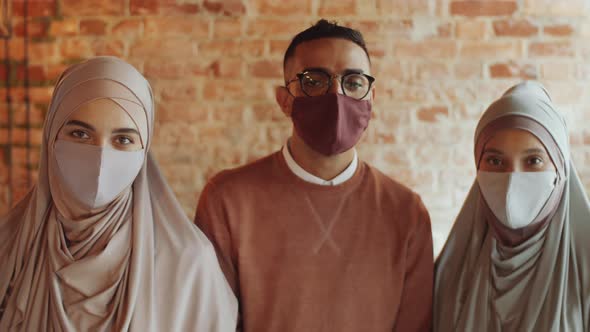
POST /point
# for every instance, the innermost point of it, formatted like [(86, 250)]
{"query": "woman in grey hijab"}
[(101, 243), (518, 256)]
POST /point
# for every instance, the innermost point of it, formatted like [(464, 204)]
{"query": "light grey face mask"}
[(517, 198), (96, 175)]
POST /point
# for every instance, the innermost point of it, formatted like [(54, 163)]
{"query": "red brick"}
[(54, 71), (561, 30), (215, 48), (275, 28), (396, 28), (555, 8), (483, 8), (33, 135), (432, 71), (179, 91), (228, 68), (444, 30), (438, 49), (181, 111), (284, 8), (92, 7), (41, 94), (64, 27), (36, 73), (35, 8), (337, 8), (279, 47), (471, 29), (228, 113), (477, 49), (171, 26), (92, 27), (221, 90), (47, 51), (160, 69), (164, 48), (267, 112), (130, 27), (376, 49), (226, 28), (557, 71), (403, 8), (266, 69), (225, 7), (515, 28), (162, 7), (513, 70), (114, 47), (35, 29), (432, 114), (557, 48), (75, 48)]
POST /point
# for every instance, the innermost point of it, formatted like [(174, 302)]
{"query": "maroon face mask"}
[(331, 123)]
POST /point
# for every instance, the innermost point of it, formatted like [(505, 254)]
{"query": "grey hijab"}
[(543, 282)]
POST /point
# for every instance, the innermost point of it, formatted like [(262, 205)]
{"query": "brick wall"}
[(213, 65)]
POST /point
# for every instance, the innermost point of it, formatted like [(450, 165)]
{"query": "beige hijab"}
[(540, 279), (138, 264)]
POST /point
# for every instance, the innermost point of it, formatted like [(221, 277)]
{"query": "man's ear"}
[(284, 99)]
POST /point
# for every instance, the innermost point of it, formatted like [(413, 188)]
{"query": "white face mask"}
[(96, 175), (516, 199)]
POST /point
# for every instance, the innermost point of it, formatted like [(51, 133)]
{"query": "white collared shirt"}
[(308, 177)]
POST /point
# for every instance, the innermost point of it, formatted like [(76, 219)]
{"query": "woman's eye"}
[(80, 134), (494, 161), (535, 161), (124, 140)]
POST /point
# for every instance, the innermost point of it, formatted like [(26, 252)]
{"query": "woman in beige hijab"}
[(518, 256), (101, 243)]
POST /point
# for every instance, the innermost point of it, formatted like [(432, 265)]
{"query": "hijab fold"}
[(137, 264)]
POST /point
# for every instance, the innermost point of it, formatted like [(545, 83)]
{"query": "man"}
[(311, 238)]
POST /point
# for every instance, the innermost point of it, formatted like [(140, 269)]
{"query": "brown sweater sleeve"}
[(212, 219), (415, 313)]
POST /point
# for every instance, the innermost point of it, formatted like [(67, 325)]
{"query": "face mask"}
[(332, 123), (96, 175), (516, 199)]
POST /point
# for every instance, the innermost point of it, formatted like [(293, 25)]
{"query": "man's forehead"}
[(333, 54)]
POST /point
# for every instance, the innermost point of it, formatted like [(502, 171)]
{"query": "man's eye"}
[(494, 161), (353, 85), (312, 83), (79, 134)]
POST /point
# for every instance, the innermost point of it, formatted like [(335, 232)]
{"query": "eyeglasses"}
[(316, 83)]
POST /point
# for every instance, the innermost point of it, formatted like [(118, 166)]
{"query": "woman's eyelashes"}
[(123, 140), (80, 134), (536, 162), (494, 161)]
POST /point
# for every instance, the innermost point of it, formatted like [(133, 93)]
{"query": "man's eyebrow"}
[(328, 71), (126, 131), (80, 124), (353, 71)]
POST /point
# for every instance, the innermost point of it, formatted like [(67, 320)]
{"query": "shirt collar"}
[(346, 175)]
